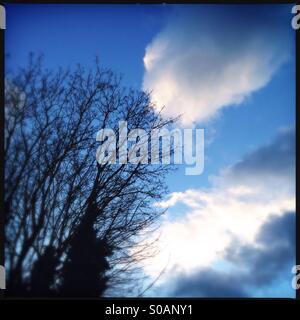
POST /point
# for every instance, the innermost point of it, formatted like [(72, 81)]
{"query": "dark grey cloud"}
[(256, 267), (277, 158), (209, 283), (276, 251)]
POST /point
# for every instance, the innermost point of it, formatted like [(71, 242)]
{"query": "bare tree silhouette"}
[(74, 227)]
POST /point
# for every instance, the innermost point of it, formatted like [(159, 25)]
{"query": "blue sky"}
[(71, 34), (251, 44)]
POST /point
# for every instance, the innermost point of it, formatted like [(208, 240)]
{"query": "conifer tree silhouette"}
[(43, 271), (84, 270)]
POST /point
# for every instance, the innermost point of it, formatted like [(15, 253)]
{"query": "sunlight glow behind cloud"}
[(241, 200)]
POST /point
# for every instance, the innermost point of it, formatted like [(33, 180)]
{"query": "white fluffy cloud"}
[(241, 200), (205, 60)]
